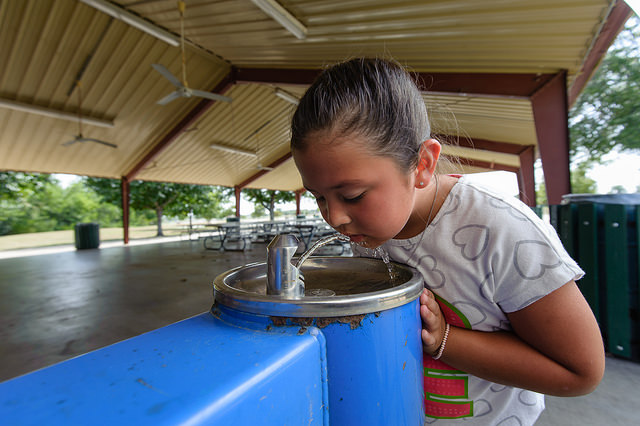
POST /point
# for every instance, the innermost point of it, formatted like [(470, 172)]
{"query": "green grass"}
[(57, 238)]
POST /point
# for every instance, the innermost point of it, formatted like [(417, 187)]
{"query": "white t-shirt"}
[(484, 254)]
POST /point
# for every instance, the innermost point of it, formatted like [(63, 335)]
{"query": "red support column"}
[(298, 196), (526, 177), (238, 190), (551, 116), (125, 208)]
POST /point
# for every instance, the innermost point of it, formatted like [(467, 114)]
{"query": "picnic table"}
[(229, 236), (237, 235)]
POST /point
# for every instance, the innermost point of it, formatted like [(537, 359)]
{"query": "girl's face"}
[(363, 196)]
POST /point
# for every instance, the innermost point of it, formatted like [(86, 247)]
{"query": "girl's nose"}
[(337, 215)]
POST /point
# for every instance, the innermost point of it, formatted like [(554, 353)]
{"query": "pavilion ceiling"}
[(480, 61)]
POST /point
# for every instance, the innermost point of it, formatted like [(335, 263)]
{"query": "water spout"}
[(284, 279), (282, 275)]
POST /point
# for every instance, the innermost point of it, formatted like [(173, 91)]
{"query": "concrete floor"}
[(59, 305), (56, 306)]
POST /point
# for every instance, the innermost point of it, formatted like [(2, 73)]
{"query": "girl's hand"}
[(433, 323), (555, 347)]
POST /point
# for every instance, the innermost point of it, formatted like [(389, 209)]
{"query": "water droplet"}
[(382, 253)]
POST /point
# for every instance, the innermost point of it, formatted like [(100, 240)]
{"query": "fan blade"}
[(83, 139), (167, 74), (109, 144), (170, 97), (209, 95)]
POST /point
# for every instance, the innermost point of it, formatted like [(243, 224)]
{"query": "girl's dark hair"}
[(373, 98)]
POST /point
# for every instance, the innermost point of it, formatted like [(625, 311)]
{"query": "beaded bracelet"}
[(444, 342)]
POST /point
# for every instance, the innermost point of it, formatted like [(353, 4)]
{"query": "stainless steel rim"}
[(315, 306)]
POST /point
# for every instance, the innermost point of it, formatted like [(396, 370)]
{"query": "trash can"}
[(601, 231), (87, 235)]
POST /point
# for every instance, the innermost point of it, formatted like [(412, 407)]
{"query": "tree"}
[(618, 189), (258, 211), (268, 198), (580, 183), (17, 185), (606, 115), (216, 199), (36, 203), (174, 199)]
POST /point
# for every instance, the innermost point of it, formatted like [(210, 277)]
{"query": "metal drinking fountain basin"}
[(334, 286)]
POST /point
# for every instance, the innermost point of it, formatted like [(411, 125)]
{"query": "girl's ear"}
[(429, 154)]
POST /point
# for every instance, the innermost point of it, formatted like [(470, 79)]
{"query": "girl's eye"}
[(354, 199)]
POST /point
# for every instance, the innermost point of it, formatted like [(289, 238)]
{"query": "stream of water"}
[(321, 242), (378, 252)]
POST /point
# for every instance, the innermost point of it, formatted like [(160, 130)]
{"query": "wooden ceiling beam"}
[(276, 76), (483, 144), (487, 165), (614, 23), (486, 84)]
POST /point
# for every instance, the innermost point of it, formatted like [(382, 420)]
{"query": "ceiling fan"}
[(79, 137), (182, 88)]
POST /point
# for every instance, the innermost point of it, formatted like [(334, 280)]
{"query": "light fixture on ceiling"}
[(134, 20), (287, 96), (283, 17), (232, 149), (53, 113)]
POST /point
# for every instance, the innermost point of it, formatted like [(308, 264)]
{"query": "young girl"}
[(503, 320)]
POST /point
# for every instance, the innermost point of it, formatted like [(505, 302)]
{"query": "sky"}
[(616, 170)]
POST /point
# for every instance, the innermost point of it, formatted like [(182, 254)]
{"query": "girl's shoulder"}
[(470, 202)]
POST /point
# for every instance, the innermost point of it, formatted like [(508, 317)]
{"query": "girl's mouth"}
[(356, 238)]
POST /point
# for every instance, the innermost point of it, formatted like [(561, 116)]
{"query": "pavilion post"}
[(238, 191), (551, 116), (526, 177), (124, 185), (298, 194)]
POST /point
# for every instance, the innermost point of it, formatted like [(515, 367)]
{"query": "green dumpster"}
[(87, 235), (601, 232)]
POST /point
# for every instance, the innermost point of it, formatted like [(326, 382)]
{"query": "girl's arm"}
[(555, 347)]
